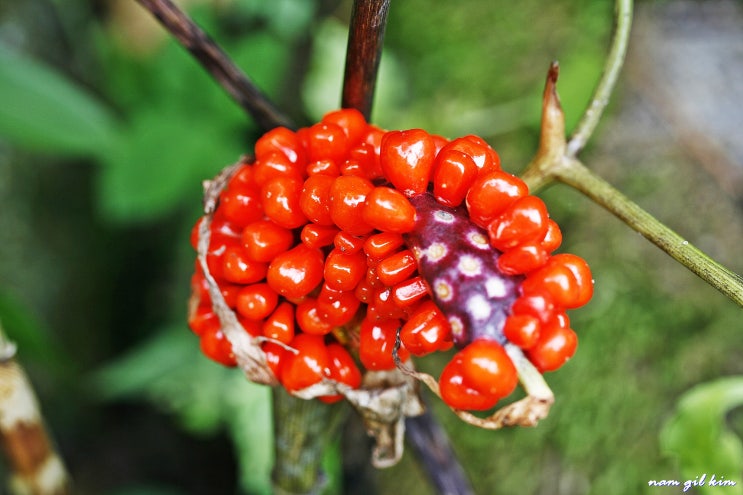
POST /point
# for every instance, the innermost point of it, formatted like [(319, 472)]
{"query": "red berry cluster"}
[(342, 224)]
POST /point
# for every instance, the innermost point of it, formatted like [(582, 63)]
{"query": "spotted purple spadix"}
[(459, 265)]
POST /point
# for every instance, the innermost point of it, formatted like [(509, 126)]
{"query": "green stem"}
[(605, 87), (302, 431), (575, 174)]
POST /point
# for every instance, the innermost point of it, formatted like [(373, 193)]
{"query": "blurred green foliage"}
[(101, 161)]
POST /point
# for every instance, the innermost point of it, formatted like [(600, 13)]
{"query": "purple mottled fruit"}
[(460, 267)]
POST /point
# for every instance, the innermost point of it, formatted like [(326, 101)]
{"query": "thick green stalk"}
[(303, 429)]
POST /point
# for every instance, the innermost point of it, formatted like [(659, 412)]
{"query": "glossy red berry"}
[(238, 268), (310, 320), (525, 220), (344, 271), (487, 368), (426, 331), (388, 210), (264, 240), (280, 199), (522, 330), (309, 365), (215, 346), (376, 341), (241, 205), (280, 325), (314, 200), (327, 141), (351, 121), (458, 394), (555, 346), (453, 174), (342, 369), (397, 268), (347, 197), (407, 159), (491, 194), (284, 141), (257, 301), (294, 273)]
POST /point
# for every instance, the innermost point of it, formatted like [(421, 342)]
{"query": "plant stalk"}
[(302, 431), (218, 64), (721, 278), (365, 39)]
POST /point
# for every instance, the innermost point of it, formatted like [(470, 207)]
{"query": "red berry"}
[(274, 354), (264, 240), (522, 330), (381, 245), (377, 339), (316, 236), (426, 331), (256, 301), (523, 258), (458, 394), (281, 201), (323, 167), (215, 346), (553, 237), (203, 320), (274, 165), (491, 194), (238, 268), (344, 271), (294, 273), (407, 159), (348, 243), (337, 307), (308, 366), (410, 291), (397, 268), (315, 199), (310, 320), (241, 205), (327, 141), (566, 277), (347, 196), (487, 368), (386, 209), (523, 221), (555, 346), (342, 369), (280, 325), (350, 120), (283, 140), (485, 157), (453, 175)]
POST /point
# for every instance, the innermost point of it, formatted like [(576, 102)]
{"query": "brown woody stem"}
[(364, 52), (218, 64)]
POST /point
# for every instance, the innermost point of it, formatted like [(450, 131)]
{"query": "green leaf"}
[(22, 328), (160, 162), (43, 110), (697, 436)]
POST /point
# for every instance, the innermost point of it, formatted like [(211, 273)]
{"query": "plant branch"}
[(554, 161), (578, 176), (364, 52), (605, 87), (35, 466), (218, 64)]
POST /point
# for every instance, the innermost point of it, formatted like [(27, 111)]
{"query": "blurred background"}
[(107, 128)]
